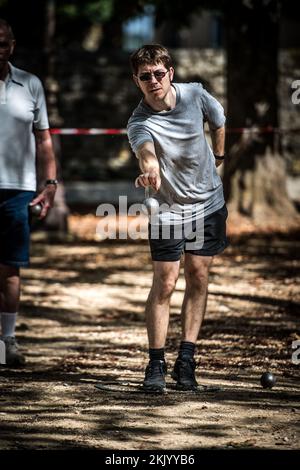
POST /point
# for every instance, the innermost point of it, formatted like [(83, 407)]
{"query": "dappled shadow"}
[(82, 322), (89, 408)]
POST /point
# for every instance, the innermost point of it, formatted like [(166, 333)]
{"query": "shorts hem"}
[(15, 264), (208, 252), (169, 260)]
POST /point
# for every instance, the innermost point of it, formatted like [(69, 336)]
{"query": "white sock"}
[(8, 323)]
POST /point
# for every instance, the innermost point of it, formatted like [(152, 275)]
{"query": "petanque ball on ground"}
[(267, 380)]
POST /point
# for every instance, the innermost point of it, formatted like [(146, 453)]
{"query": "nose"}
[(153, 78)]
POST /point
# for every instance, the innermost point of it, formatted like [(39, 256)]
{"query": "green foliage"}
[(100, 10), (69, 10), (95, 11)]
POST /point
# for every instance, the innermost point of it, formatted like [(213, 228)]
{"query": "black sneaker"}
[(155, 377), (184, 373)]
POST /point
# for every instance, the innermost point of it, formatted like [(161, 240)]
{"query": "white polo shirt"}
[(22, 109)]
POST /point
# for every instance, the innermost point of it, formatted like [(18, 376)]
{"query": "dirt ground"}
[(82, 322)]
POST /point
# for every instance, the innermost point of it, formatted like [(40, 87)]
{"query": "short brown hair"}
[(150, 54)]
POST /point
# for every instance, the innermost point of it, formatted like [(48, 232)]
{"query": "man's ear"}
[(135, 79), (171, 73), (12, 47)]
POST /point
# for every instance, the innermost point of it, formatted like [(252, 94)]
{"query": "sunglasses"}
[(158, 74)]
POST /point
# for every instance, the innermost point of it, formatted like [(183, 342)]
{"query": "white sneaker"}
[(13, 355)]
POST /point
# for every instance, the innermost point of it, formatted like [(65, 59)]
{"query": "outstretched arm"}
[(149, 165)]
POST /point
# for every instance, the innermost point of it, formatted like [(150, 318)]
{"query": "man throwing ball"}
[(166, 132)]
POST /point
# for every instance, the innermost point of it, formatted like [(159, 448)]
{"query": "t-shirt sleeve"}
[(137, 135), (212, 110), (40, 120)]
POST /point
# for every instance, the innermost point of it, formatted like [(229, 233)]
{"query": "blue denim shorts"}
[(15, 226)]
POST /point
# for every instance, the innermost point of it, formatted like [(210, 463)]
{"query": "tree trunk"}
[(255, 173)]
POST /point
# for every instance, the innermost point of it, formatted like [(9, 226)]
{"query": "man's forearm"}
[(218, 142), (46, 170), (149, 166), (148, 162), (46, 164)]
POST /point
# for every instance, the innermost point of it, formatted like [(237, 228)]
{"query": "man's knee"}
[(196, 274), (7, 271), (164, 286)]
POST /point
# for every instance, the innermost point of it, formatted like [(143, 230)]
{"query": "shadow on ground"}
[(82, 321)]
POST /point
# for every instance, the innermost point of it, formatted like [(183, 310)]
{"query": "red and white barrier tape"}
[(259, 130), (233, 130), (90, 131)]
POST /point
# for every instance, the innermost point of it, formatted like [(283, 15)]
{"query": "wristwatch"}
[(219, 157), (51, 182)]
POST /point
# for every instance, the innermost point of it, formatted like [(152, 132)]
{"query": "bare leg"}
[(9, 288), (165, 275), (9, 306), (196, 270)]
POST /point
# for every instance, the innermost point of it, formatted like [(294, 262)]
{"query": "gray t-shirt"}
[(187, 166), (22, 109)]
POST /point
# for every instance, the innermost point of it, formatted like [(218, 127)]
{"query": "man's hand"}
[(46, 199), (152, 178)]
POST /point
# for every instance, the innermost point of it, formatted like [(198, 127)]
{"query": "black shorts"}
[(208, 238)]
